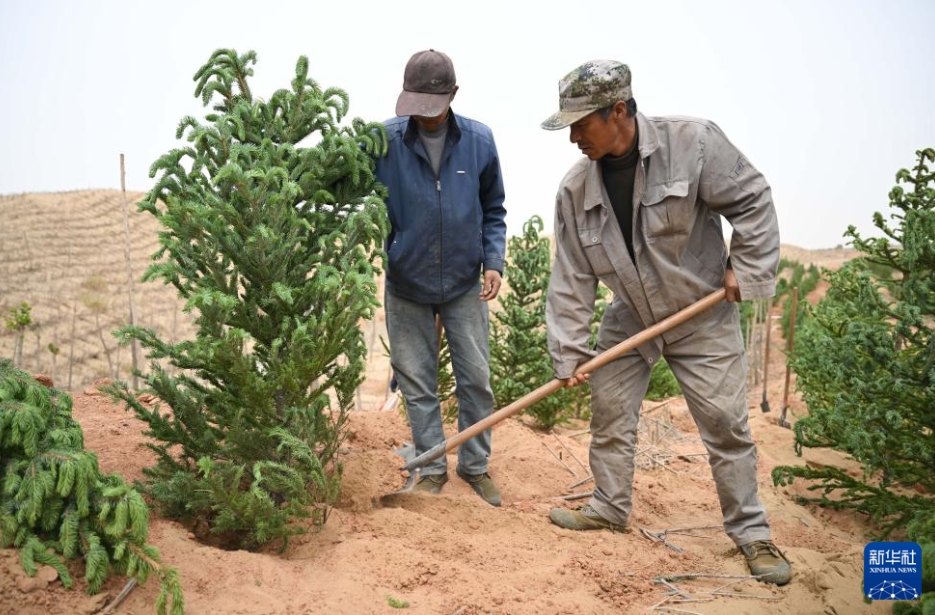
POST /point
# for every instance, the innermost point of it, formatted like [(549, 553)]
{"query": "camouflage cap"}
[(592, 86)]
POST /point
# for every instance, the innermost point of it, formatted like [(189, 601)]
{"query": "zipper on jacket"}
[(441, 240)]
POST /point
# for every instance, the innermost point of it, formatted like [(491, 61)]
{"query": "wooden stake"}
[(71, 350), (134, 345), (764, 404), (54, 350), (751, 323), (754, 342), (790, 347), (38, 332)]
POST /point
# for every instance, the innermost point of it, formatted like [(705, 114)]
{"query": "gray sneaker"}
[(582, 518), (431, 483), (766, 561), (482, 485)]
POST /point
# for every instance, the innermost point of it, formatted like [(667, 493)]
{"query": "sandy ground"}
[(453, 553), (443, 555)]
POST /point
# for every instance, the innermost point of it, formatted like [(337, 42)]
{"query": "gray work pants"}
[(711, 368)]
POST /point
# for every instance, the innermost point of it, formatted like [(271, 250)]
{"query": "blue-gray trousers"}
[(414, 358)]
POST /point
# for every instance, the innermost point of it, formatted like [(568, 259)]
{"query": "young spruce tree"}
[(520, 361), (865, 361), (17, 320), (56, 505), (271, 245)]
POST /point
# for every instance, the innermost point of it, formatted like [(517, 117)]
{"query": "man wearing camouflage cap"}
[(641, 212)]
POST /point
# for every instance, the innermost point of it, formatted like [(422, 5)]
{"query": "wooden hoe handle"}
[(555, 384)]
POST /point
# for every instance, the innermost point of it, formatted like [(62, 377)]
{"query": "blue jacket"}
[(445, 230)]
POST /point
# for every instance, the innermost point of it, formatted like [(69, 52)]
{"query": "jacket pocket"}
[(666, 209), (593, 244), (395, 253)]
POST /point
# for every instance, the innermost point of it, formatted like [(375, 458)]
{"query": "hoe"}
[(414, 464)]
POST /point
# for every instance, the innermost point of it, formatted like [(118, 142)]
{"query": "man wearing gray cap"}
[(444, 259), (641, 212)]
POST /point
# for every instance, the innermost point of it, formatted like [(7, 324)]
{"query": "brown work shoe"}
[(582, 518), (767, 562), (430, 483), (482, 485)]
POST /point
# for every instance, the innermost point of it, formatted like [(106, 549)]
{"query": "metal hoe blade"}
[(408, 452)]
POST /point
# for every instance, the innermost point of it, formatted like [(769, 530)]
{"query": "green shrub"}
[(519, 353), (662, 382), (56, 505), (865, 360), (926, 603)]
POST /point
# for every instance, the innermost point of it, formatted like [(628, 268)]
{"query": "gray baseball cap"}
[(592, 86), (427, 84)]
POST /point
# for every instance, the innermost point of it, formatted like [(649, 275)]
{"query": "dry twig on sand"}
[(569, 451), (580, 482), (557, 456), (120, 597), (678, 595)]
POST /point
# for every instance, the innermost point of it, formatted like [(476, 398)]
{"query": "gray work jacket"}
[(689, 176)]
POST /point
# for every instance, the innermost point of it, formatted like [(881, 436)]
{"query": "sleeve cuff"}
[(494, 265)]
